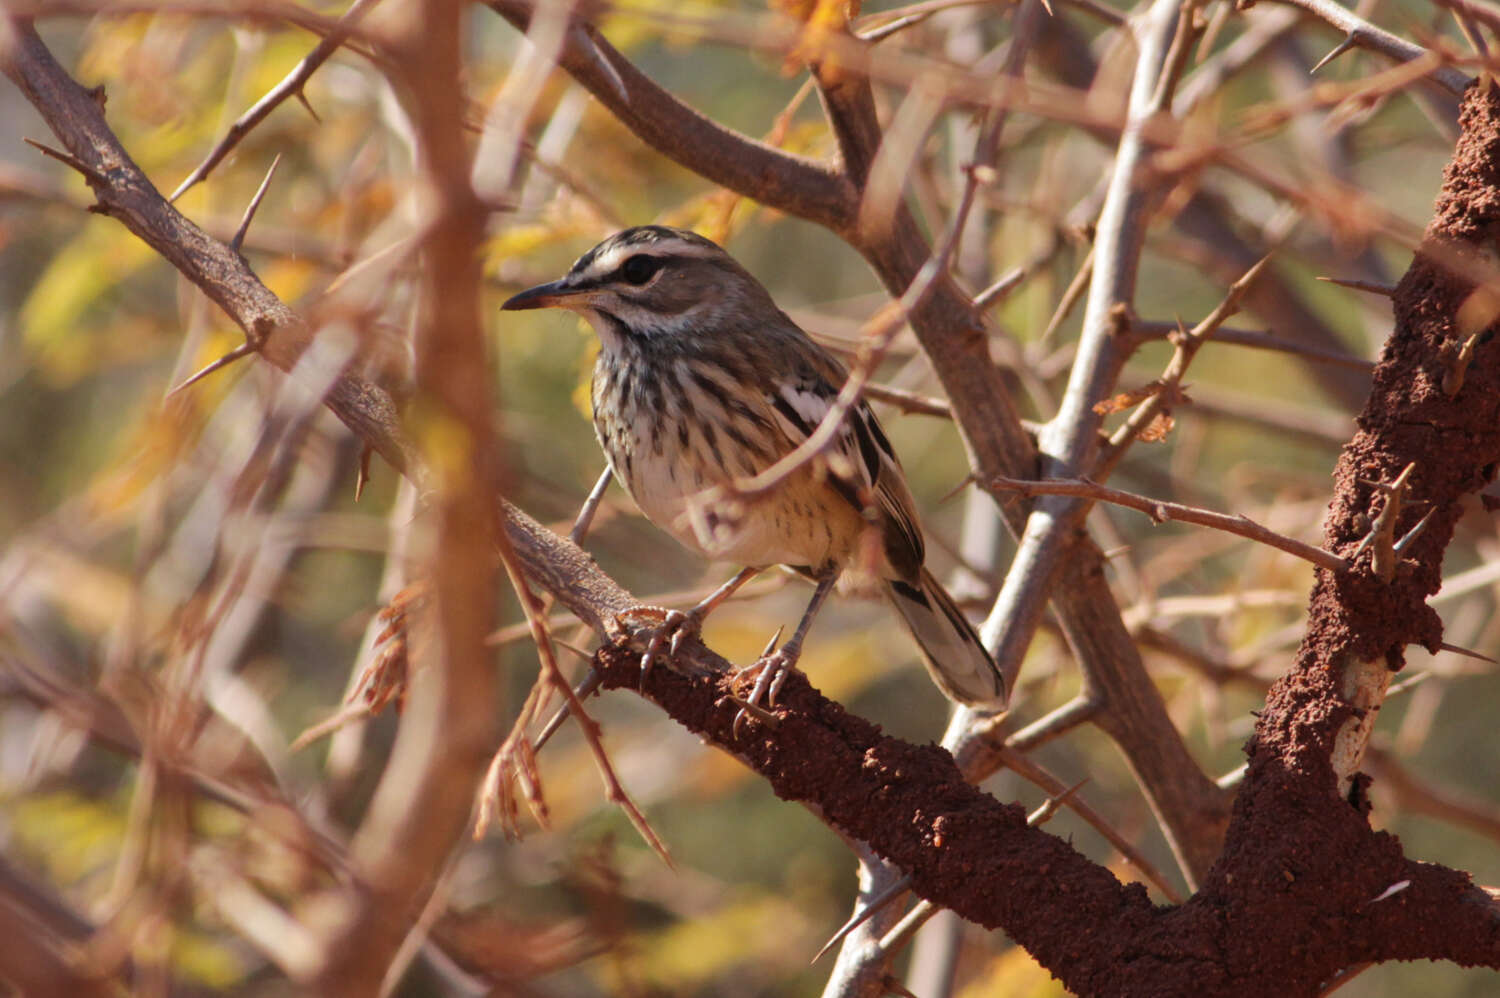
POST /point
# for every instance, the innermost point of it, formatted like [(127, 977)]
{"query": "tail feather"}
[(950, 646)]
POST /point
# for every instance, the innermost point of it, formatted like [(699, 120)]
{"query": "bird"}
[(701, 382)]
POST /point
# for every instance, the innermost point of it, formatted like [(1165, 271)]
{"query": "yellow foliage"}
[(1013, 974), (289, 278), (78, 838), (152, 445), (202, 958), (520, 242), (77, 281), (628, 30), (695, 951), (446, 444), (583, 393), (822, 20), (73, 835)]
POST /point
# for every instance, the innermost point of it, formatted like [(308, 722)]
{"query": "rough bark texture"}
[(914, 807)]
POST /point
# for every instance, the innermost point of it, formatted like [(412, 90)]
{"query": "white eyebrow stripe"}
[(610, 259)]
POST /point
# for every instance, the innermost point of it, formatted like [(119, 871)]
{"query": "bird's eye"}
[(640, 269)]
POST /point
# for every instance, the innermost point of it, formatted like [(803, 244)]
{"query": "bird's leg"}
[(775, 666), (678, 625)]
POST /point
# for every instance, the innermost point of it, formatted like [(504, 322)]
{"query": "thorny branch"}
[(1160, 511), (955, 841)]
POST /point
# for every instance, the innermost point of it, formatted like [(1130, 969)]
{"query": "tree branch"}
[(1160, 510), (802, 186), (1362, 34)]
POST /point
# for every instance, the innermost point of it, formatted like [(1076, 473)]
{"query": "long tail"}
[(950, 646)]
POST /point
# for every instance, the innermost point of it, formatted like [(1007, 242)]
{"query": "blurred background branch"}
[(185, 584)]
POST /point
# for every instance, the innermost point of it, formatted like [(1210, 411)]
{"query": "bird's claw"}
[(688, 626), (675, 627), (669, 626), (771, 669)]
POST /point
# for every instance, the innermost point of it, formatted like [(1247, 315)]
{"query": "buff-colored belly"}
[(802, 522)]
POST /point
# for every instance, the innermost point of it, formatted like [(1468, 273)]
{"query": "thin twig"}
[(921, 405), (1368, 36), (290, 85), (1071, 296), (1160, 510), (874, 27), (614, 790), (1259, 340), (1187, 344)]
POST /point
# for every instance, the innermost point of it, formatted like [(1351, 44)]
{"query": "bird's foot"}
[(769, 672), (671, 629)]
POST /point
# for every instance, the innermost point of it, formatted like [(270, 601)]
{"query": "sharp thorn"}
[(254, 206), (183, 187), (1467, 652), (302, 99), (582, 691), (1364, 545), (1000, 289), (1386, 290), (90, 174), (553, 723), (1338, 50), (590, 507), (345, 715), (1412, 534), (363, 478), (862, 916), (242, 350), (775, 639), (1238, 288), (951, 493), (1049, 807)]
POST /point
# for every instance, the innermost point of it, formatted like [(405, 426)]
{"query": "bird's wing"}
[(800, 400)]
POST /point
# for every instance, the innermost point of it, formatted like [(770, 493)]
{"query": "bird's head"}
[(652, 283)]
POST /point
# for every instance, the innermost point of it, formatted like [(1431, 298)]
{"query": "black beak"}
[(549, 295)]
